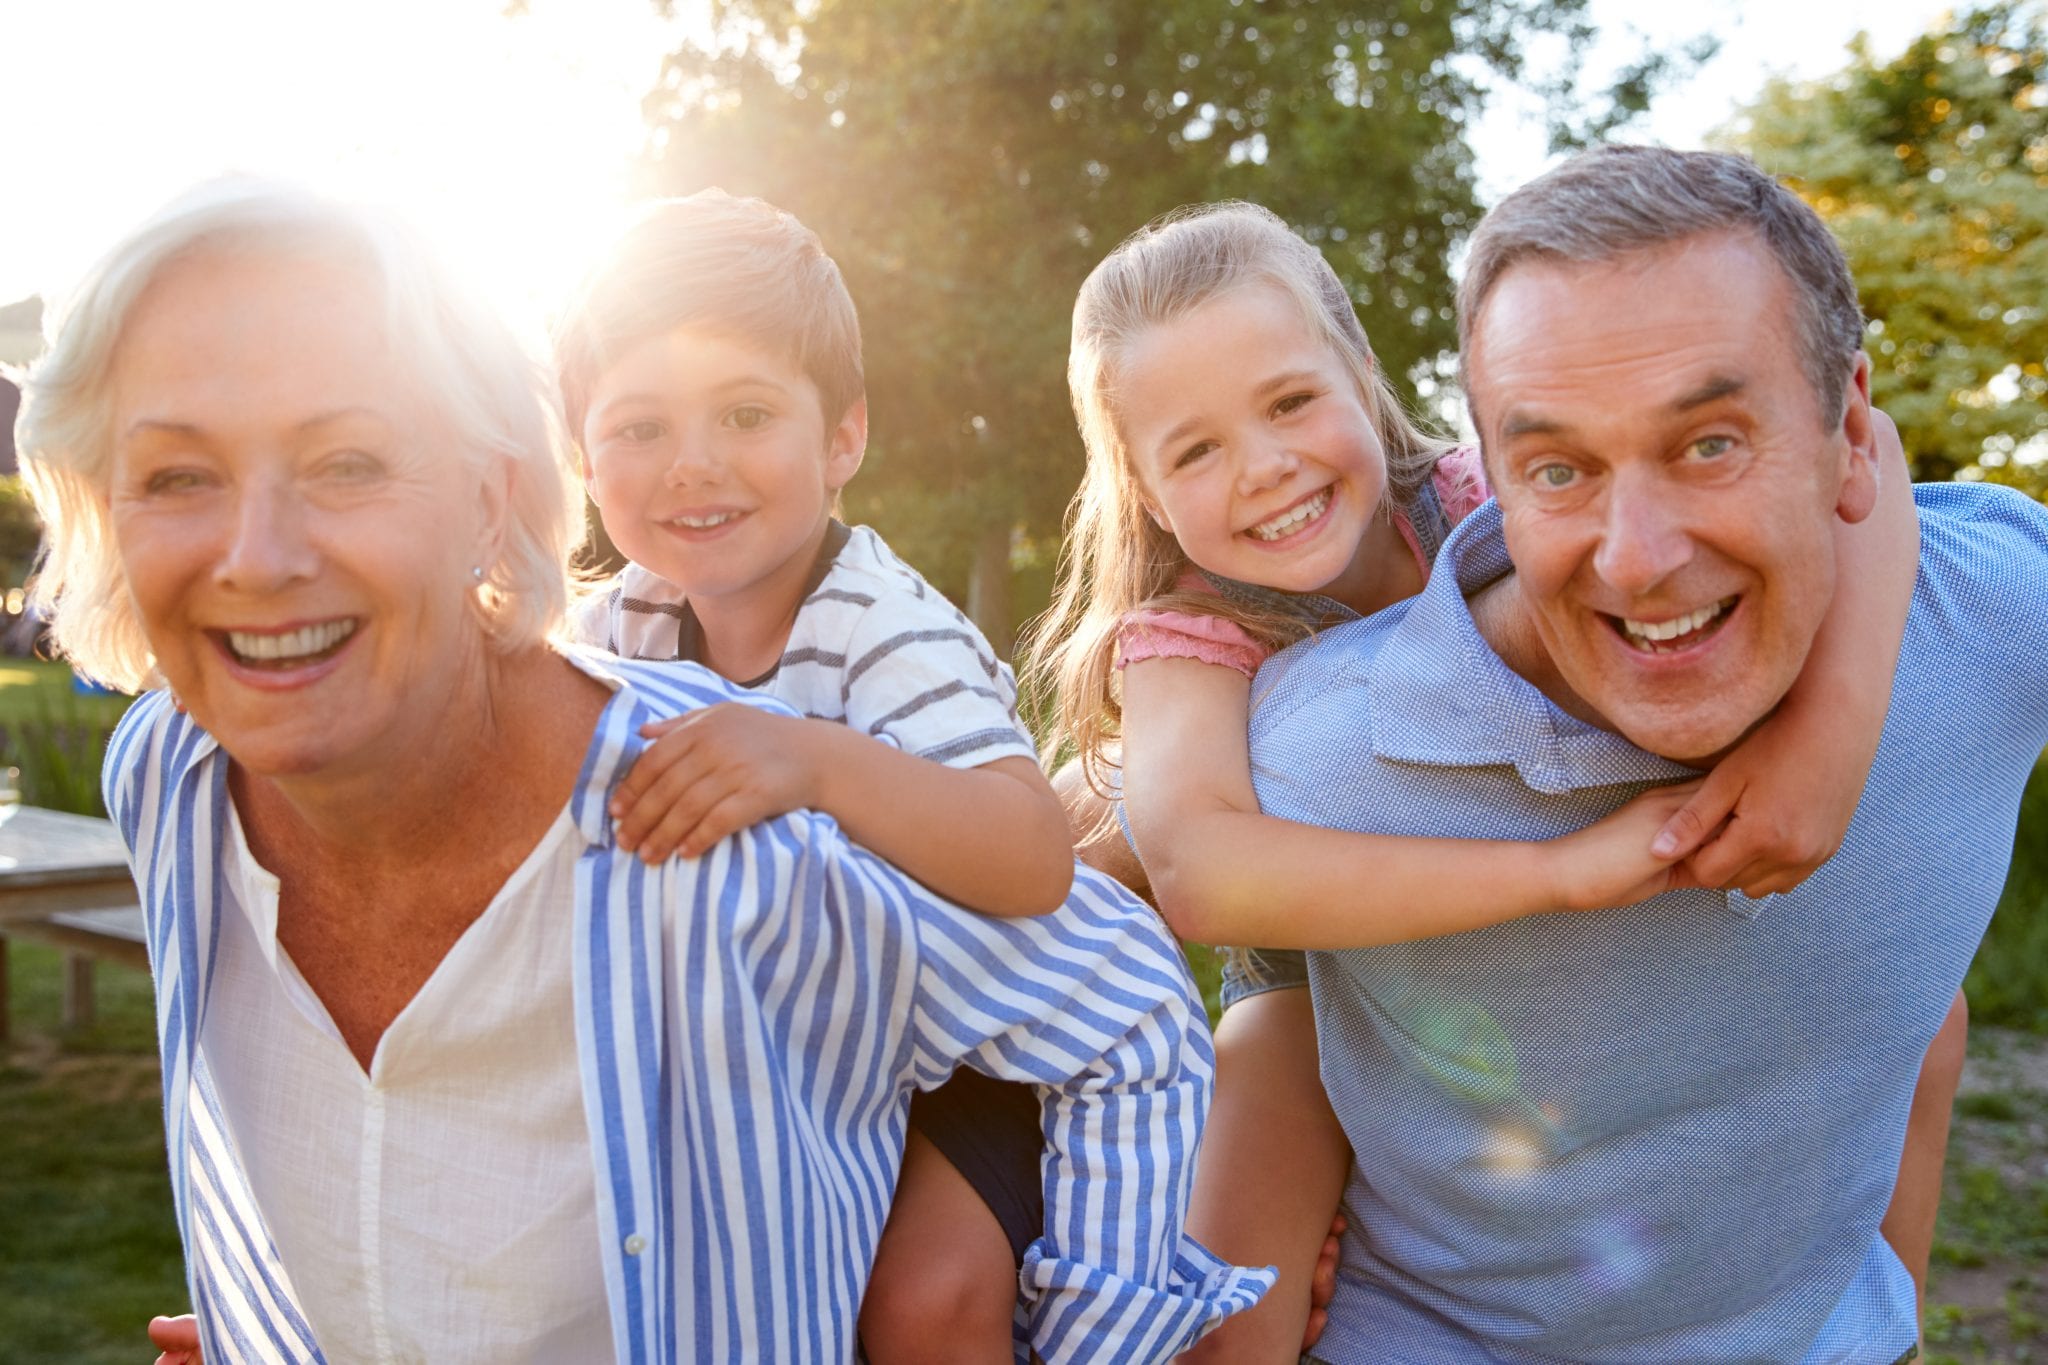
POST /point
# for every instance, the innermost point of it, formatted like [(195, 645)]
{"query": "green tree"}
[(1932, 169), (968, 163)]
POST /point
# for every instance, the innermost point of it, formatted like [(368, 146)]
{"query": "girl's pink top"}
[(1460, 486)]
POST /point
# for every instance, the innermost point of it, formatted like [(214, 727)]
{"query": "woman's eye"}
[(639, 433), (1293, 402), (1193, 453), (174, 481), (748, 418), (1710, 447), (352, 466)]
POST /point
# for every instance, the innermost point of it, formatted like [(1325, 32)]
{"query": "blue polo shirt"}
[(1666, 1132)]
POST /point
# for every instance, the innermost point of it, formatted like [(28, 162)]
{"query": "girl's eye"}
[(639, 433), (748, 418), (1193, 453), (1710, 447), (1293, 402)]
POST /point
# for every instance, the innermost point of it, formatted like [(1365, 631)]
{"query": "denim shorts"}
[(1252, 971)]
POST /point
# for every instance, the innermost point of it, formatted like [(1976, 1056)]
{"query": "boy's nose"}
[(695, 461)]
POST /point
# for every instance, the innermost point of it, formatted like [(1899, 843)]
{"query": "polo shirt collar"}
[(1440, 695)]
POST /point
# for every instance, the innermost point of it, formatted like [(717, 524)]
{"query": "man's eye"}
[(1193, 453), (1710, 447), (1554, 475), (639, 433), (748, 418)]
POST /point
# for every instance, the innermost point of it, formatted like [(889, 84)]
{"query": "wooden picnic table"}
[(64, 881)]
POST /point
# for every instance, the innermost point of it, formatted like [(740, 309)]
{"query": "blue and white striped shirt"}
[(750, 1027)]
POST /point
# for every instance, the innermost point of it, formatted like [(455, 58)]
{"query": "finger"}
[(669, 817), (657, 759), (1318, 1318), (730, 815), (655, 729), (674, 797), (180, 1333), (1692, 824)]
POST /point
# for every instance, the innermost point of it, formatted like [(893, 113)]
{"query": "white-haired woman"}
[(446, 1075)]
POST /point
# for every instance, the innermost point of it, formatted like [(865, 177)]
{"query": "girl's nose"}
[(1266, 463)]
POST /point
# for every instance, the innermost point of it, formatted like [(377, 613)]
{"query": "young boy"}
[(710, 370)]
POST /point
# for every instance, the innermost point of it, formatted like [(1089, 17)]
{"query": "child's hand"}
[(177, 1338), (1611, 862), (1762, 821), (710, 773)]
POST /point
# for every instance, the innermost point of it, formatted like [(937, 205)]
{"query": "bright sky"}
[(514, 136)]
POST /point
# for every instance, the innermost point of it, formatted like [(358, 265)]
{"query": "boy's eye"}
[(1293, 402), (748, 417), (641, 432), (1193, 453)]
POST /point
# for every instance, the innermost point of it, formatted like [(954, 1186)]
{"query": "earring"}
[(476, 572)]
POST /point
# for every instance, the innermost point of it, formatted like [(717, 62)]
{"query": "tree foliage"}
[(968, 162), (1932, 169)]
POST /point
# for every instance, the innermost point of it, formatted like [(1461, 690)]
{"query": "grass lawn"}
[(31, 689), (53, 734)]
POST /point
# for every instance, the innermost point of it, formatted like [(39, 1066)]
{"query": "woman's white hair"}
[(468, 364)]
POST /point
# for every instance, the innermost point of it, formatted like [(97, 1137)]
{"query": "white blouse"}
[(443, 1206)]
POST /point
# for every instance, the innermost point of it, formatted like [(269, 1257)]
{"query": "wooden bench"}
[(64, 881)]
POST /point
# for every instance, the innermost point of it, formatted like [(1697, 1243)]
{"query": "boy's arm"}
[(1786, 794), (993, 838)]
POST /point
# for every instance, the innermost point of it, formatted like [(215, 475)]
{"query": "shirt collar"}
[(1440, 695)]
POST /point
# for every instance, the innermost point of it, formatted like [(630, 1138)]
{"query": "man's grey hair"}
[(1613, 201)]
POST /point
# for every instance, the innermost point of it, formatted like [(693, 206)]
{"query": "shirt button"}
[(635, 1244)]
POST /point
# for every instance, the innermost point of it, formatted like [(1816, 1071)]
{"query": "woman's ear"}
[(494, 511)]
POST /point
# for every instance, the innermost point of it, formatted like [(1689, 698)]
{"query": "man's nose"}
[(268, 543), (1644, 540)]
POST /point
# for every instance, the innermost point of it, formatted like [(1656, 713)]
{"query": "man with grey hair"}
[(1668, 1132)]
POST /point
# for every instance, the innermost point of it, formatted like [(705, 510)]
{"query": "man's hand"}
[(1611, 862), (711, 773), (1322, 1285), (177, 1338)]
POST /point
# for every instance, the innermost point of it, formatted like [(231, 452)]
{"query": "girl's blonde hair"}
[(1116, 559)]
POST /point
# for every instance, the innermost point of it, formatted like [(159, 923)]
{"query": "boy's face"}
[(714, 466)]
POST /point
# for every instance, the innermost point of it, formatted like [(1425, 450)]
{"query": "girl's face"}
[(1255, 451)]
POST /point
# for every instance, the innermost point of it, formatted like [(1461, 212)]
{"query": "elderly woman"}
[(446, 1075)]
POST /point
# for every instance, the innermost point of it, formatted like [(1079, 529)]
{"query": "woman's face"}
[(296, 526)]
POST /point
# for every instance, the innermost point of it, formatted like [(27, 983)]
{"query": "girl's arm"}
[(992, 838), (1223, 873), (1782, 800)]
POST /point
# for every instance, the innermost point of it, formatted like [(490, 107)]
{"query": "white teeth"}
[(1293, 519), (706, 523), (1654, 632), (292, 644)]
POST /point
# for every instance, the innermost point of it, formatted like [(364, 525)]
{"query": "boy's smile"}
[(714, 466)]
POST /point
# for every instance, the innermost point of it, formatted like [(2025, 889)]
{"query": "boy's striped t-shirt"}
[(874, 647)]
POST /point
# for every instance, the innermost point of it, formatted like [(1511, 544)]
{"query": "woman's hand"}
[(711, 773), (1612, 862), (177, 1338)]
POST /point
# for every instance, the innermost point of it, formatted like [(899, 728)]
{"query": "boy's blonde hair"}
[(1116, 559), (739, 267)]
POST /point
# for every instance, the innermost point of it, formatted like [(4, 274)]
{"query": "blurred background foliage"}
[(1932, 169)]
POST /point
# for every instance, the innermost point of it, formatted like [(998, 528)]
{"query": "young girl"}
[(1251, 480)]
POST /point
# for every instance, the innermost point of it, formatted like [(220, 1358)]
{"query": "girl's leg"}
[(944, 1285), (1260, 1200)]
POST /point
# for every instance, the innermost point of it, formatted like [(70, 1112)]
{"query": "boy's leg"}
[(1909, 1221), (944, 1287), (1257, 1200)]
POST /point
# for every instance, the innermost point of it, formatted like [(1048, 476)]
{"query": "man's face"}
[(1671, 495)]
